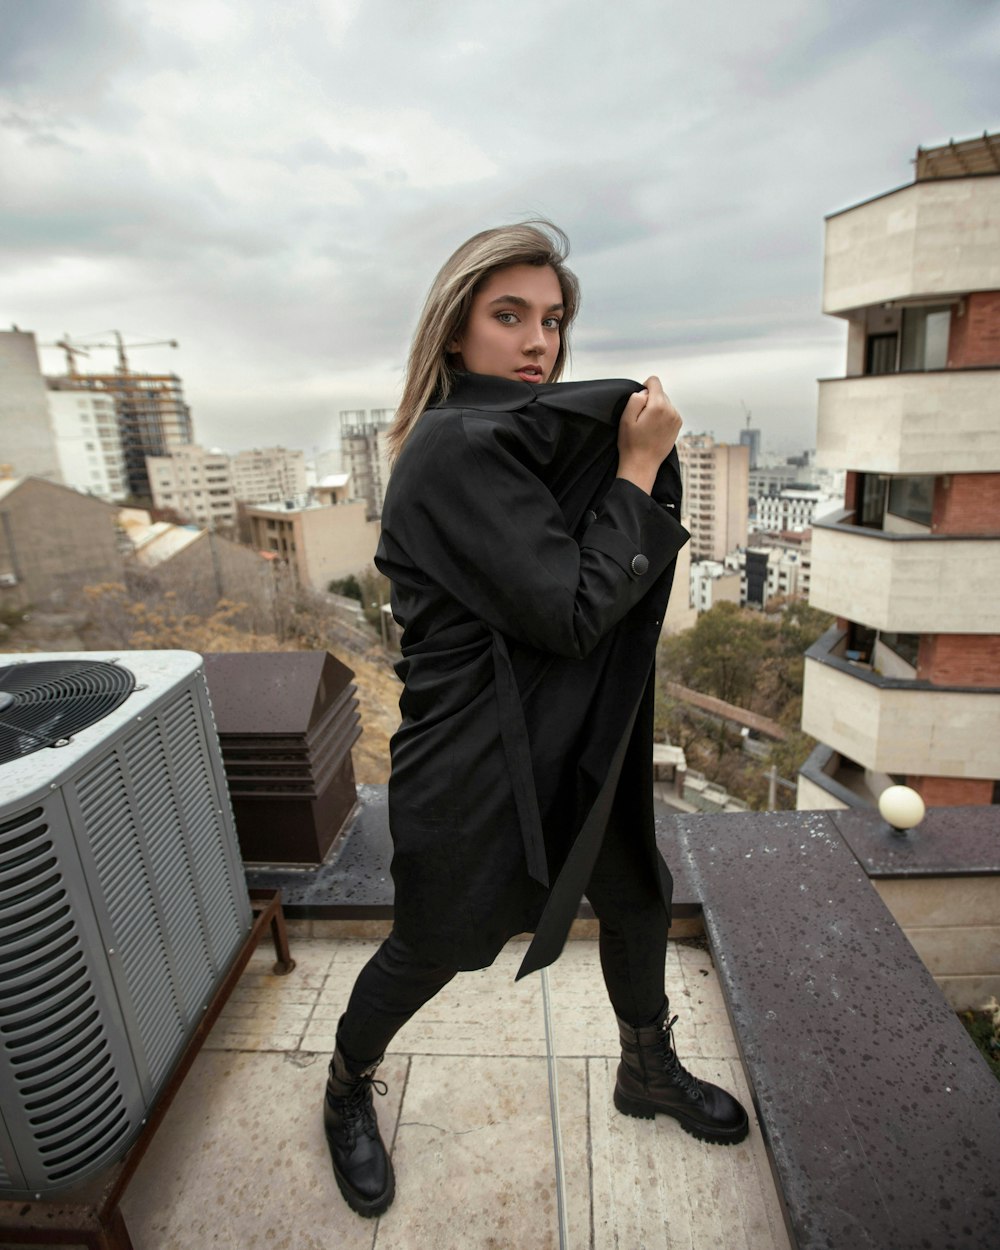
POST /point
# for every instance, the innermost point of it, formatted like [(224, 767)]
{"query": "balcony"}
[(906, 583), (829, 781), (902, 244), (896, 726), (935, 422)]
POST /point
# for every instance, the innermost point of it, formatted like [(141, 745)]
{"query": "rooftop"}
[(241, 1159)]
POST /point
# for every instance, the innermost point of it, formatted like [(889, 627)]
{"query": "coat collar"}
[(602, 400)]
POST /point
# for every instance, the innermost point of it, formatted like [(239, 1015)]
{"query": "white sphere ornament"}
[(901, 807)]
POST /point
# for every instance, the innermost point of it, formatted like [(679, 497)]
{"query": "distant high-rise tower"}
[(751, 438), (716, 480), (364, 454), (906, 686)]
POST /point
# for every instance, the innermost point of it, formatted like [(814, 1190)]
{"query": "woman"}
[(530, 532)]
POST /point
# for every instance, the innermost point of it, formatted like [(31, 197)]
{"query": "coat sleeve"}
[(482, 525)]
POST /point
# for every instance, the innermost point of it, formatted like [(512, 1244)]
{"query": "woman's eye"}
[(507, 318), (552, 323)]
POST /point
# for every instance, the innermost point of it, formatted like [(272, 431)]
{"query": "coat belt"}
[(517, 748), (570, 886)]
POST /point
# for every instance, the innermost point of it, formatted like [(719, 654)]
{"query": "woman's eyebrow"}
[(520, 302)]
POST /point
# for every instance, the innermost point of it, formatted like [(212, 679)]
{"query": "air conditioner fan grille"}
[(44, 702)]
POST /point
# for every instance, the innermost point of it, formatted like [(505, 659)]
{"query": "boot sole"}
[(648, 1110)]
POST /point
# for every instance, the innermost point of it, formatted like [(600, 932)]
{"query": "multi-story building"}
[(27, 440), (715, 478), (792, 509), (364, 452), (319, 542), (88, 442), (906, 687), (781, 568), (774, 478), (268, 475), (194, 483), (153, 418), (712, 582)]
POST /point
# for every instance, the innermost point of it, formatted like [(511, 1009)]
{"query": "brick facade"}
[(966, 503), (953, 791), (975, 332), (851, 490), (960, 660)]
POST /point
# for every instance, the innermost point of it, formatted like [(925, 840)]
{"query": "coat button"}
[(589, 517), (640, 565)]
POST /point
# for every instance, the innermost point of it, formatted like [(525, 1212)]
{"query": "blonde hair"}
[(429, 374)]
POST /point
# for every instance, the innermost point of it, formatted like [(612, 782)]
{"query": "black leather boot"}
[(361, 1163), (651, 1078)]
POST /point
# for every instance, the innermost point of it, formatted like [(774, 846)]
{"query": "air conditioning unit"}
[(122, 900)]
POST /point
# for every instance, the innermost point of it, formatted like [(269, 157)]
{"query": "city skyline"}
[(276, 191)]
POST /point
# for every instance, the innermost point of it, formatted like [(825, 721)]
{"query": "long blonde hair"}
[(429, 373)]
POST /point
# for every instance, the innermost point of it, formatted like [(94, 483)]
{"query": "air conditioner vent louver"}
[(46, 998), (122, 905), (47, 701)]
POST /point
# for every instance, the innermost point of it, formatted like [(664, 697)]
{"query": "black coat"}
[(531, 585)]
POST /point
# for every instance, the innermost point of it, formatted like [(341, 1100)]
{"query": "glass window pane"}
[(912, 498)]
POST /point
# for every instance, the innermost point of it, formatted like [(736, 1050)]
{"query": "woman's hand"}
[(646, 434)]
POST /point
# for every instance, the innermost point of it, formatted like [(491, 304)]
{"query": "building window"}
[(860, 643), (870, 511), (905, 646), (925, 337), (881, 351), (912, 498), (923, 344)]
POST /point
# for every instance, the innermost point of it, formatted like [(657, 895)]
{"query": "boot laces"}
[(675, 1070), (357, 1108)]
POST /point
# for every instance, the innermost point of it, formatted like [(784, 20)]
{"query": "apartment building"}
[(776, 570), (712, 582), (320, 542), (364, 453), (88, 442), (716, 494), (195, 483), (791, 510), (268, 475), (906, 686)]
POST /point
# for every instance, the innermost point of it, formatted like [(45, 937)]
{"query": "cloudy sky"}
[(274, 185)]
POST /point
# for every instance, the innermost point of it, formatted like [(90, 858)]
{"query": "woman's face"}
[(513, 328)]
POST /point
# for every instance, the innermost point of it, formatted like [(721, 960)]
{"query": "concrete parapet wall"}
[(953, 924)]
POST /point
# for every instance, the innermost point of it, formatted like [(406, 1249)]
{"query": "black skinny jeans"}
[(395, 983)]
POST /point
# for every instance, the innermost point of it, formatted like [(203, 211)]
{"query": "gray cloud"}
[(275, 185)]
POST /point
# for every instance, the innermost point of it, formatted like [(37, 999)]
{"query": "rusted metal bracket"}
[(90, 1215)]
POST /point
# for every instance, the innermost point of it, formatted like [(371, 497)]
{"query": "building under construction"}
[(152, 415)]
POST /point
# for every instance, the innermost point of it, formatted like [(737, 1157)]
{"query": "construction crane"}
[(73, 350), (119, 346), (71, 353), (746, 412)]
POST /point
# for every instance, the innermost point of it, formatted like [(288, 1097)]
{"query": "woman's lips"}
[(530, 374)]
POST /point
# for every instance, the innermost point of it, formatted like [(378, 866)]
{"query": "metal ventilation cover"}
[(122, 904)]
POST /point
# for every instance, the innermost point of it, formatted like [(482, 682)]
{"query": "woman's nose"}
[(534, 341)]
